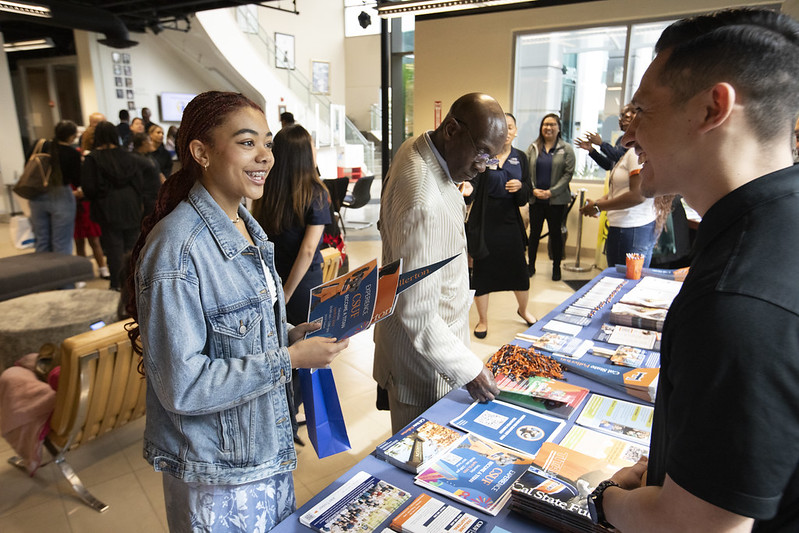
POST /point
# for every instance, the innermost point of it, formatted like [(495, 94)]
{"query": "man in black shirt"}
[(713, 119)]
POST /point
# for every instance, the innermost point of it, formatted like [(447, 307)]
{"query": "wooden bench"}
[(99, 390), (331, 260)]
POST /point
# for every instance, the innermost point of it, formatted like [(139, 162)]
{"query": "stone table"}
[(29, 321)]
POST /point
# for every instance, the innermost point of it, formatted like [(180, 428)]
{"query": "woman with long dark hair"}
[(211, 327), (551, 168), (293, 211)]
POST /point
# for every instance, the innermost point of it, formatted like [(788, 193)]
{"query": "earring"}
[(205, 168)]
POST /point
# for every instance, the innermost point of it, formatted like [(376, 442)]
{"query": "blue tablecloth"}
[(454, 404)]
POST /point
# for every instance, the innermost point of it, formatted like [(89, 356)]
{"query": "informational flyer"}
[(509, 425), (626, 420)]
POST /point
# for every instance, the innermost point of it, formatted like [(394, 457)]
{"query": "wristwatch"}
[(594, 501), (598, 210)]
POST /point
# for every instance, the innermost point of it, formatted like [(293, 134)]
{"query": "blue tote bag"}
[(325, 422)]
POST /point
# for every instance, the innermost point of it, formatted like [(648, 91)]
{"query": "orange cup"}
[(635, 264)]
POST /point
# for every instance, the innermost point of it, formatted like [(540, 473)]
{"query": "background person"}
[(53, 212), (123, 128), (551, 169), (151, 177), (631, 216), (159, 152), (495, 231), (293, 211), (609, 154), (422, 350), (112, 181), (215, 345), (87, 139)]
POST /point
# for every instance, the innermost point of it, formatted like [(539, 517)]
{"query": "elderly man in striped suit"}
[(422, 350)]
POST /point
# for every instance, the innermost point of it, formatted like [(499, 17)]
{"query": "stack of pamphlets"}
[(629, 356), (426, 514), (595, 299), (615, 451), (361, 504), (646, 304), (476, 472), (573, 347), (554, 490), (545, 395), (628, 336), (419, 441)]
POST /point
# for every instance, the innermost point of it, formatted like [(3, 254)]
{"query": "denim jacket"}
[(215, 352)]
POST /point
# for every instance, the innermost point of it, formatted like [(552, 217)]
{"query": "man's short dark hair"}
[(754, 50), (64, 130), (124, 116), (287, 118), (139, 139)]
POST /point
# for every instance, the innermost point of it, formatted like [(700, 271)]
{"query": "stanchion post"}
[(575, 267)]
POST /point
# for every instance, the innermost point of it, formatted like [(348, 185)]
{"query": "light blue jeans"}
[(53, 220), (621, 241)]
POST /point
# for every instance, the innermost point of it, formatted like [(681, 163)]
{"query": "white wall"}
[(12, 159)]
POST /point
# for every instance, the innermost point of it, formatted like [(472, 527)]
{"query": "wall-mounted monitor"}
[(171, 105)]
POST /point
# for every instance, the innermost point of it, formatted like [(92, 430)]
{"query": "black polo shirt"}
[(726, 426)]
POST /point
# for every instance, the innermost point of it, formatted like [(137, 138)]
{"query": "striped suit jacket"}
[(422, 349)]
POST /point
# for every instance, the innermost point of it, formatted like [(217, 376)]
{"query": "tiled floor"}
[(112, 467)]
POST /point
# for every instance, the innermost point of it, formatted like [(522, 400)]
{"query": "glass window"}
[(585, 76)]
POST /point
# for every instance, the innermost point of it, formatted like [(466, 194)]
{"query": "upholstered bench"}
[(35, 272), (29, 321)]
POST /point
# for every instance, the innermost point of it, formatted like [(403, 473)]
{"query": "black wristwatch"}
[(595, 503)]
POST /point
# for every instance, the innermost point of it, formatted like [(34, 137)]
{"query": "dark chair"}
[(337, 188), (360, 197)]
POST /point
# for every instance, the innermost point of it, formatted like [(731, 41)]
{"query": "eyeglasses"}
[(481, 156)]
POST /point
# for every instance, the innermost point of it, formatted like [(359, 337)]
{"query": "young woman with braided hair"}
[(211, 326)]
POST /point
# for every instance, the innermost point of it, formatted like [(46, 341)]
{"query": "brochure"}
[(426, 514), (573, 347), (638, 338), (639, 382), (354, 301), (361, 504), (416, 443), (638, 316), (509, 425), (626, 420), (566, 328), (545, 395), (651, 291), (630, 357), (612, 450), (476, 472)]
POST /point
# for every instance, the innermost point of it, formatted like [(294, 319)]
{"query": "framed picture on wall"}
[(129, 93), (118, 81), (128, 82), (284, 50), (117, 70), (131, 105), (126, 58), (320, 77), (120, 93), (127, 70)]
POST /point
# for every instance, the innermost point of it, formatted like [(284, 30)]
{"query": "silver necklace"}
[(236, 220)]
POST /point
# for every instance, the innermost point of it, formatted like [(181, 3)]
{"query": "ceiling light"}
[(398, 8), (26, 8), (36, 44)]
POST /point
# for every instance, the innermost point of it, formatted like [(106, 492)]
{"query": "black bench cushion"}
[(35, 272)]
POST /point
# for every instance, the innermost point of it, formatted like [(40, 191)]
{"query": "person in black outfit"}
[(151, 177), (123, 128), (495, 231), (723, 455), (112, 180), (145, 116), (160, 153)]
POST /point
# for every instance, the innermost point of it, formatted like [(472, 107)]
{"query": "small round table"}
[(29, 321)]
